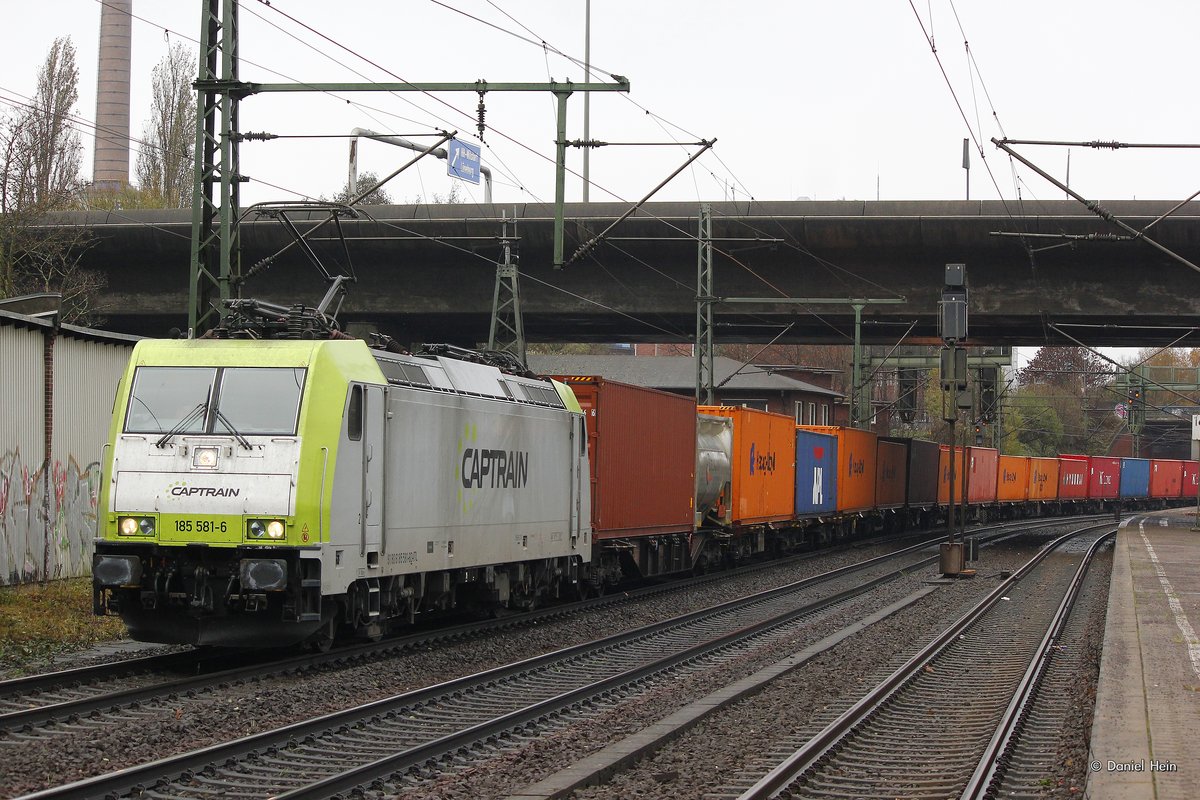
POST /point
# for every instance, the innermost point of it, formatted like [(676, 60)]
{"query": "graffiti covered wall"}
[(48, 506), (24, 548)]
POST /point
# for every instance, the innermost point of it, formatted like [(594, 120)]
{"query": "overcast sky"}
[(825, 100)]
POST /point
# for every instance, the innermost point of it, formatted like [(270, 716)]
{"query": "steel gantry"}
[(216, 272), (507, 331)]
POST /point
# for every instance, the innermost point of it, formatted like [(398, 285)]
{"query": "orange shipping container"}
[(857, 456), (1012, 479), (764, 464), (1043, 478), (944, 475)]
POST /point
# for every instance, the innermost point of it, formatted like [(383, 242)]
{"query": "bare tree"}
[(165, 162), (50, 153), (40, 156)]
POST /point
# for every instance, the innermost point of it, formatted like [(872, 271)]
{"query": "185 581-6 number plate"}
[(201, 526)]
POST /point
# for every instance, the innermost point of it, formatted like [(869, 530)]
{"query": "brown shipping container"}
[(1043, 478), (1012, 479), (857, 454), (764, 464), (922, 490), (642, 451), (891, 474)]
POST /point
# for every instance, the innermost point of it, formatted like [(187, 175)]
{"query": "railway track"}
[(107, 691), (384, 746), (948, 722)]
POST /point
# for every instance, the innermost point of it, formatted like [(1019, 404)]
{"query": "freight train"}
[(272, 492)]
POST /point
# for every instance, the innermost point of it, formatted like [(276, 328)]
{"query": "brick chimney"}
[(110, 169)]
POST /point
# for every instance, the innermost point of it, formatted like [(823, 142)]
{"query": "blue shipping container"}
[(1135, 477), (816, 473)]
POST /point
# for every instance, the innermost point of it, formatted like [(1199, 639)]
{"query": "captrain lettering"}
[(203, 491), (494, 469)]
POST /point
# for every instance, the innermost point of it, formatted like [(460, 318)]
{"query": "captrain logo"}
[(181, 489)]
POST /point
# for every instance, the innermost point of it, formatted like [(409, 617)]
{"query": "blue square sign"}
[(462, 161)]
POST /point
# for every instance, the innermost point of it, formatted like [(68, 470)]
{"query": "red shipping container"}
[(1043, 478), (1104, 477), (981, 466), (857, 452), (1191, 478), (1072, 478), (1166, 478), (764, 464), (1012, 479), (642, 451), (891, 474)]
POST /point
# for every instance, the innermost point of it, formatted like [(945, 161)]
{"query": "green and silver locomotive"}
[(269, 492)]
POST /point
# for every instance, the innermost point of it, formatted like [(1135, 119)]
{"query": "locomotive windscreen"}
[(250, 400)]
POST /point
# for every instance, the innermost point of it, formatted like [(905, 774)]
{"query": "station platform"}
[(1146, 728)]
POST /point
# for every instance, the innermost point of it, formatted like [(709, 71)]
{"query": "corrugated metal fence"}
[(48, 505)]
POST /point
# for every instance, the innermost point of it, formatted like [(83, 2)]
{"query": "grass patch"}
[(38, 622)]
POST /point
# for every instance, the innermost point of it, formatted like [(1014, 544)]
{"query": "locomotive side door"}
[(373, 461)]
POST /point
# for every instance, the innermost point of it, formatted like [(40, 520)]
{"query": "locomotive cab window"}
[(354, 414), (259, 400), (245, 400), (170, 398)]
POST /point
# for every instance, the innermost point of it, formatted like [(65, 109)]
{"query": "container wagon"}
[(642, 455), (763, 465)]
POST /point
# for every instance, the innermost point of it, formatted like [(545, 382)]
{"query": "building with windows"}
[(736, 384)]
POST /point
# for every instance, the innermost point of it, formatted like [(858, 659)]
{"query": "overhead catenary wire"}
[(538, 43)]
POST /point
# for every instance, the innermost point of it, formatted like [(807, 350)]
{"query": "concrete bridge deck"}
[(426, 272)]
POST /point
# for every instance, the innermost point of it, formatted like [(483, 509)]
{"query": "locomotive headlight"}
[(265, 529), (136, 526), (205, 457)]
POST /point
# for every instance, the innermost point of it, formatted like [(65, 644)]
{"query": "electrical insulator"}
[(481, 110)]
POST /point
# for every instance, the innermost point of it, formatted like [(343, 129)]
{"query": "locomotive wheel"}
[(323, 639)]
